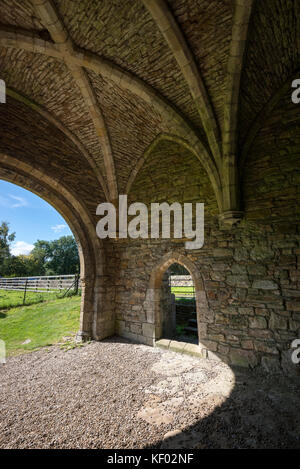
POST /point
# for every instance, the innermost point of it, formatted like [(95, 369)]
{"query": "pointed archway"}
[(89, 246), (153, 304)]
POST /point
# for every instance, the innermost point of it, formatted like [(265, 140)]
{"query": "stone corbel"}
[(230, 218)]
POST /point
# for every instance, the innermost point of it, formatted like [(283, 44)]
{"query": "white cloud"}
[(16, 201), (20, 201), (3, 201), (58, 228), (21, 247)]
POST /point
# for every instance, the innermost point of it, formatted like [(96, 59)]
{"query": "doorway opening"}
[(178, 305)]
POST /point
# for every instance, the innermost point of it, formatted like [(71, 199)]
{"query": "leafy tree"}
[(6, 238), (58, 257), (41, 254), (64, 258), (16, 267)]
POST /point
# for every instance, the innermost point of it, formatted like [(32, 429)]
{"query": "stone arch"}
[(72, 137), (202, 156), (90, 248), (154, 314)]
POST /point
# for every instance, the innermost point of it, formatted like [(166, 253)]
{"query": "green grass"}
[(44, 324), (182, 289), (11, 299), (180, 328)]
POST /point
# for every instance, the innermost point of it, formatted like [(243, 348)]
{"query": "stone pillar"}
[(86, 310), (104, 324)]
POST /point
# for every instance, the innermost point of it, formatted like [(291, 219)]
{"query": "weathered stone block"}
[(136, 328), (241, 254), (257, 322), (243, 358), (260, 253), (294, 326), (293, 306), (247, 344), (176, 346), (240, 280), (194, 350), (223, 349), (248, 311), (266, 347), (239, 269), (222, 253), (210, 345), (162, 343), (278, 322), (148, 330), (265, 285), (257, 269)]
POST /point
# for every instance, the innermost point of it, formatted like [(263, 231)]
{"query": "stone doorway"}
[(178, 305), (154, 305)]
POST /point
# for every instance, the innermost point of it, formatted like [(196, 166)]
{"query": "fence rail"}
[(181, 281), (182, 286), (41, 284)]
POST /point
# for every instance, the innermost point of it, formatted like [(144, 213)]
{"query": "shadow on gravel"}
[(262, 411)]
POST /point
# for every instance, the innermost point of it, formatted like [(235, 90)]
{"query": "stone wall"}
[(250, 273), (98, 95)]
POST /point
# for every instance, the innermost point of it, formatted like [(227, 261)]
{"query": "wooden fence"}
[(182, 286), (45, 284)]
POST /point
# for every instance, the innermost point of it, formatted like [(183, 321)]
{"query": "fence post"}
[(76, 283), (24, 298)]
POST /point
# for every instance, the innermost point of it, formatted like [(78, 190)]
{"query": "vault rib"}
[(50, 118), (20, 39), (242, 14), (171, 31), (52, 22)]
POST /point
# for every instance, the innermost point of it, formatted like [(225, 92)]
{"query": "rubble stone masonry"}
[(250, 272)]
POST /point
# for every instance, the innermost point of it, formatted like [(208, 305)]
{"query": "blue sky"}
[(30, 217)]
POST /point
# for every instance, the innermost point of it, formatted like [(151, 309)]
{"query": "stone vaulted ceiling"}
[(114, 75)]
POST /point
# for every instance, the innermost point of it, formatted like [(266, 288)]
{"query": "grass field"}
[(182, 290), (10, 299), (39, 324), (44, 320)]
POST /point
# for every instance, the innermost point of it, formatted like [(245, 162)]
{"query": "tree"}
[(64, 258), (58, 257), (6, 238), (16, 267), (41, 254)]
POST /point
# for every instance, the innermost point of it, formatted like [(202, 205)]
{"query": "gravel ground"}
[(114, 394)]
